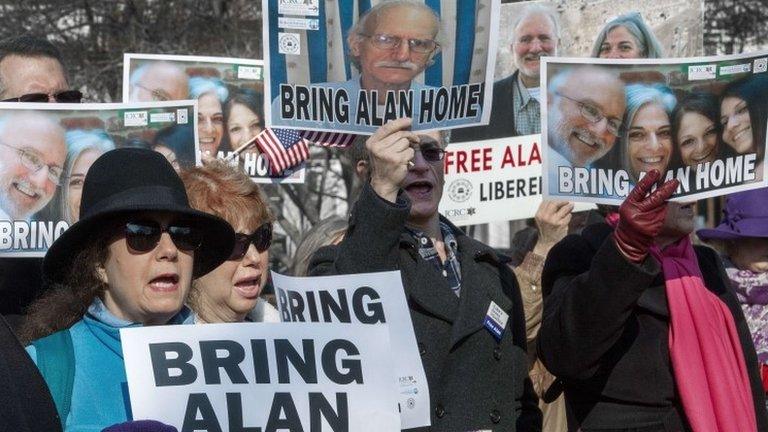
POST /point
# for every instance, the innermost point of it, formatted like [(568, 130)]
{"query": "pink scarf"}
[(704, 347)]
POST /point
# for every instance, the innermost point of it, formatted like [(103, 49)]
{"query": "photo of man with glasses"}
[(430, 61), (391, 44), (585, 106), (32, 154)]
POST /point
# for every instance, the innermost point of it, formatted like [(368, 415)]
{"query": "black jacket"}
[(502, 121), (474, 382), (25, 403), (605, 334)]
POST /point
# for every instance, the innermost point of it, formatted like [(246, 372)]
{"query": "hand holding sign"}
[(552, 219), (642, 216), (390, 151)]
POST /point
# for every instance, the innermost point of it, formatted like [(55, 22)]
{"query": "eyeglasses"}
[(158, 94), (66, 96), (34, 163), (261, 239), (431, 154), (144, 235), (390, 42), (594, 114)]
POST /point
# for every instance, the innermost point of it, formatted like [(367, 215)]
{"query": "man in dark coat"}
[(605, 331), (477, 376)]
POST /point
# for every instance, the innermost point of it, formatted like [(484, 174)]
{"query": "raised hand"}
[(390, 152), (641, 216), (552, 219)]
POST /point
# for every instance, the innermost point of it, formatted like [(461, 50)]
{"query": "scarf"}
[(752, 291), (704, 348)]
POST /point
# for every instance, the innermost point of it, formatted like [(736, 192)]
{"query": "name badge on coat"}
[(496, 321)]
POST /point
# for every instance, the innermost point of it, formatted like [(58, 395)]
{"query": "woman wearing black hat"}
[(129, 261)]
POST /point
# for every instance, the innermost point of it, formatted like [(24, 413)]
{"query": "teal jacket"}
[(100, 390)]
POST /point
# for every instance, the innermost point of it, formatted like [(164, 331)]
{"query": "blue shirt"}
[(100, 390)]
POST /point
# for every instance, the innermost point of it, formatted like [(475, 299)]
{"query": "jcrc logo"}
[(460, 213)]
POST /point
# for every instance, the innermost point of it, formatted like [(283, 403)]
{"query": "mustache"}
[(396, 64), (536, 56)]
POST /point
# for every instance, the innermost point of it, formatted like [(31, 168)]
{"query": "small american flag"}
[(284, 148), (328, 139)]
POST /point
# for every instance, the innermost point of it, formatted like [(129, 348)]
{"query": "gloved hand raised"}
[(641, 216)]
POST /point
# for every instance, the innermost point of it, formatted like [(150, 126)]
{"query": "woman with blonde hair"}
[(231, 292)]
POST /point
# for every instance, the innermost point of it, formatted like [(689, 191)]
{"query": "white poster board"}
[(260, 376), (372, 299)]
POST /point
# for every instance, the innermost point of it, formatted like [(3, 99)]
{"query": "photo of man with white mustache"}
[(585, 109), (389, 46)]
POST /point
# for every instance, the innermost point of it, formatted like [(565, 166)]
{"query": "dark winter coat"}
[(474, 382)]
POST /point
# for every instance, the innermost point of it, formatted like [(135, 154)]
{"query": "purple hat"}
[(745, 215), (141, 426)]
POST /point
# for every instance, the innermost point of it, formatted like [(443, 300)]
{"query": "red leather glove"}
[(641, 216)]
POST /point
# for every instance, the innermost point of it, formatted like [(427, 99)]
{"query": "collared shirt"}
[(451, 268), (527, 110)]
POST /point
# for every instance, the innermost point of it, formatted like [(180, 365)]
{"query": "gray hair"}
[(649, 45), (324, 233), (637, 96), (538, 9), (363, 25), (199, 86), (78, 142)]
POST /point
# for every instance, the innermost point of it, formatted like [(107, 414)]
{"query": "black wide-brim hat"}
[(130, 180)]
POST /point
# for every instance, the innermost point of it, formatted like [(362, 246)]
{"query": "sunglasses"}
[(144, 235), (66, 96), (261, 239), (432, 154)]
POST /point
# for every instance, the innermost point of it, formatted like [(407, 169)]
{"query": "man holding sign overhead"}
[(464, 302)]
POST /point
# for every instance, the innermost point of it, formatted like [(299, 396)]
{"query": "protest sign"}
[(528, 31), (608, 122), (492, 180), (46, 150), (231, 104), (376, 299), (262, 377), (333, 68)]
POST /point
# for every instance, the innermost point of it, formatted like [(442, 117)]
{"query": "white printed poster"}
[(372, 299), (262, 377), (46, 150)]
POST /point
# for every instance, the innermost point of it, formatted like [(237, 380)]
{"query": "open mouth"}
[(700, 159), (249, 288), (26, 189), (165, 283), (741, 134), (419, 190), (586, 138)]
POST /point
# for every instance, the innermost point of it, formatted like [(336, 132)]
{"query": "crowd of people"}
[(616, 321)]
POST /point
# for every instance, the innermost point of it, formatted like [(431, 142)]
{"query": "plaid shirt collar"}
[(451, 268)]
